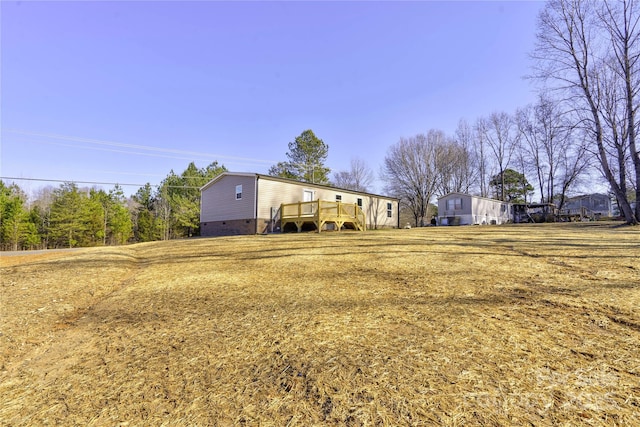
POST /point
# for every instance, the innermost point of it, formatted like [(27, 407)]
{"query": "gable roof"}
[(290, 181)]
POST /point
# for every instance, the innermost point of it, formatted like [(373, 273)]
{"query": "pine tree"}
[(307, 154), (66, 225), (13, 216), (516, 187)]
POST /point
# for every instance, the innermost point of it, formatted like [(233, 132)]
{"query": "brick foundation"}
[(228, 228)]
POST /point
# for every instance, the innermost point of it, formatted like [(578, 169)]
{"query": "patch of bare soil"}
[(469, 325)]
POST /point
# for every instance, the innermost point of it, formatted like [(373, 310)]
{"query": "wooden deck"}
[(320, 213)]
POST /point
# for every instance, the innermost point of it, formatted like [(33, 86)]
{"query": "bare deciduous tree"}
[(358, 178), (614, 117), (575, 41), (498, 133), (621, 21), (481, 156), (410, 173), (455, 160), (466, 138), (549, 149)]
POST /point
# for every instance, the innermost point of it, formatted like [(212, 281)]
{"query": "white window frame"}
[(309, 208), (306, 193), (389, 210), (239, 192)]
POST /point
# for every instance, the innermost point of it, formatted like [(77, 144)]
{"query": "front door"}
[(307, 197)]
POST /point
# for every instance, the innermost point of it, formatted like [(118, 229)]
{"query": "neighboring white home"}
[(465, 209), (250, 203)]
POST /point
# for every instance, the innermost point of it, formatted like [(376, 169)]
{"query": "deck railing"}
[(321, 212)]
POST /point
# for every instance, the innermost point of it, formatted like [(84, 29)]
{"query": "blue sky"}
[(126, 91)]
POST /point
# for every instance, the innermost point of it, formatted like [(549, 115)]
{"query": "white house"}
[(250, 203), (465, 209)]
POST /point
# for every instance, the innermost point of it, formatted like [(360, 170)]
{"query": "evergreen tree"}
[(283, 170), (31, 236), (178, 201), (307, 154), (66, 226), (516, 187), (94, 218), (13, 216), (145, 228), (120, 225), (186, 201)]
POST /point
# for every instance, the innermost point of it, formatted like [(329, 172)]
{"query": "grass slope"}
[(510, 325)]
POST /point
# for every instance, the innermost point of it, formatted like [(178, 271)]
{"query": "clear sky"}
[(125, 91)]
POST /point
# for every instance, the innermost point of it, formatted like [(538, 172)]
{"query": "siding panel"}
[(273, 193), (219, 201)]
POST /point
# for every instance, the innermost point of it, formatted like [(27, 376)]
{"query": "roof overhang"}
[(223, 174), (292, 181)]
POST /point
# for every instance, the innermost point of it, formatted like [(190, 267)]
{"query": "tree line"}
[(70, 216)]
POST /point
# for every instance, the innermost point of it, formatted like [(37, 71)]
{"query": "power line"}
[(99, 183), (124, 146), (134, 153)]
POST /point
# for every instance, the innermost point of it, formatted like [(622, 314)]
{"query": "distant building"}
[(465, 209), (594, 205), (534, 212)]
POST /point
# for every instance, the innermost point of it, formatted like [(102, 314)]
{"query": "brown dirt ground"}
[(514, 325)]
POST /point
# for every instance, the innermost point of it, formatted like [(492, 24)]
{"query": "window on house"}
[(359, 202), (307, 195), (454, 204), (239, 192), (389, 210), (338, 198)]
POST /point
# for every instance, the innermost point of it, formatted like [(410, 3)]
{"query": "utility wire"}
[(137, 153), (97, 182), (132, 147)]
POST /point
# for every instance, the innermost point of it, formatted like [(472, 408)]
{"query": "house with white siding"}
[(249, 203), (465, 209)]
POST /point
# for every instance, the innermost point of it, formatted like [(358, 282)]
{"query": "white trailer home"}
[(465, 209), (251, 203)]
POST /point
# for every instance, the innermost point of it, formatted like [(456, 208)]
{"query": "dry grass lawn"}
[(513, 325)]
